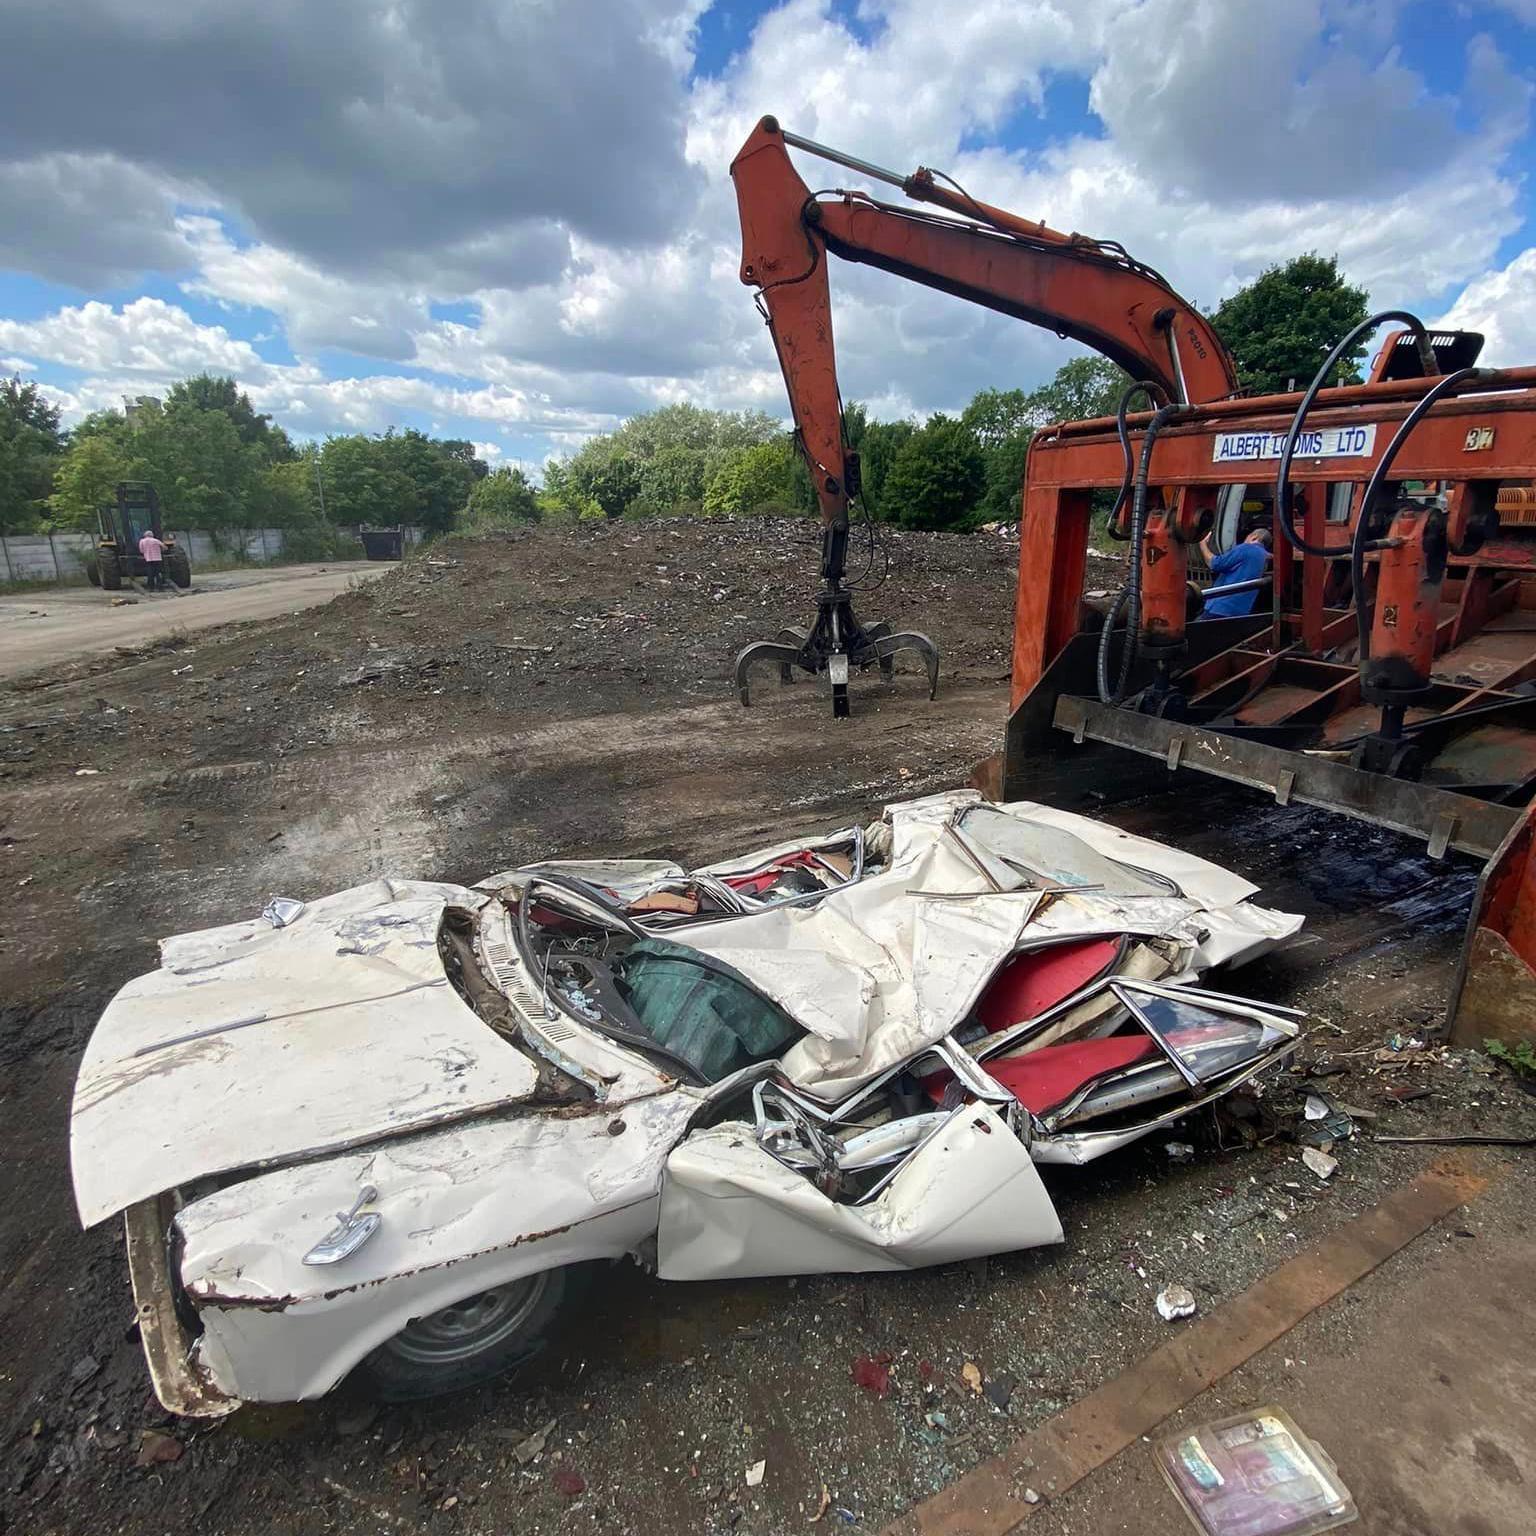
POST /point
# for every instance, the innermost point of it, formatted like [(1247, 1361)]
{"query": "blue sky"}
[(555, 248)]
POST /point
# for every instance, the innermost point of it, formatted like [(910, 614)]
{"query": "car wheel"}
[(468, 1342)]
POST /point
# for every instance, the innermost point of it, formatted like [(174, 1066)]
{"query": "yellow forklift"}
[(135, 512)]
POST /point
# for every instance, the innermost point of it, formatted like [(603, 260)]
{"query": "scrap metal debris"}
[(156, 1448), (531, 1448), (908, 1019)]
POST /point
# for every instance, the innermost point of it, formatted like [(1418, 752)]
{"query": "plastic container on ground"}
[(1254, 1474)]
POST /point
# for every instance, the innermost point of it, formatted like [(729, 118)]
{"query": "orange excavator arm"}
[(1089, 290), (1086, 289)]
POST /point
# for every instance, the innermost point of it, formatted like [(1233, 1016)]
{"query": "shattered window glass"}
[(1210, 1043), (696, 1010)]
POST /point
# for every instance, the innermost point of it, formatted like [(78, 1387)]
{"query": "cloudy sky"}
[(511, 220)]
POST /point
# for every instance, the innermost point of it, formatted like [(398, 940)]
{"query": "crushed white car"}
[(382, 1129)]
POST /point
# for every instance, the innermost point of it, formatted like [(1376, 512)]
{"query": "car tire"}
[(178, 566), (468, 1342), (110, 570), (92, 573)]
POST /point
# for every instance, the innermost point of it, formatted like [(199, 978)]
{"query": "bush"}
[(503, 499)]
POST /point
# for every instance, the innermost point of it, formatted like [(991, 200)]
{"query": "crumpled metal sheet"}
[(728, 1208), (463, 1208), (253, 1044), (877, 971)]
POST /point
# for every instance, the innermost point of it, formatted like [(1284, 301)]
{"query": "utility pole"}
[(320, 484)]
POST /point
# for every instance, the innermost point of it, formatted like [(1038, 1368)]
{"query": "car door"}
[(730, 1209)]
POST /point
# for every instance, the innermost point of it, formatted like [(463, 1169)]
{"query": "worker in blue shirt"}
[(1243, 562)]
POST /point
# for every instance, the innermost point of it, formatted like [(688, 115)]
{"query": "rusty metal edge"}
[(178, 1383), (1064, 1449)]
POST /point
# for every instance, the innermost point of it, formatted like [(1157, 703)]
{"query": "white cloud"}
[(1502, 305), (596, 239), (369, 136), (318, 308), (147, 338), (88, 219)]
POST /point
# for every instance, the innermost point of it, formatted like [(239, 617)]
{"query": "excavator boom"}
[(1085, 289), (1089, 290)]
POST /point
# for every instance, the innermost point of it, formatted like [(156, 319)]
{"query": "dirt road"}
[(568, 691), (62, 624)]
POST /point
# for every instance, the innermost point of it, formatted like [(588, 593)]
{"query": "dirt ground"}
[(53, 624), (568, 690)]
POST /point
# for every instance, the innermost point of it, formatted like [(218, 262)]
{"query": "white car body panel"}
[(255, 1085), (220, 1060), (463, 1209), (730, 1210)]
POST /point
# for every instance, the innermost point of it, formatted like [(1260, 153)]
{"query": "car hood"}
[(254, 1046)]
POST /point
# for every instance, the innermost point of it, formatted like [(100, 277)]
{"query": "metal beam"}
[(1442, 817)]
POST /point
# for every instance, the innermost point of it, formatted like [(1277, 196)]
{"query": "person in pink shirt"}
[(154, 561)]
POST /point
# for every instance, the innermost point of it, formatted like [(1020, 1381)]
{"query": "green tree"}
[(362, 485), (1003, 483), (30, 450), (937, 477), (995, 415), (209, 392), (204, 472), (879, 444), (1085, 388), (1003, 421), (659, 461), (503, 499), (284, 495), (439, 480), (1282, 325), (602, 473), (96, 460), (760, 478)]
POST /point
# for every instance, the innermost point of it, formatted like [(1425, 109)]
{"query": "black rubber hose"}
[(1151, 389), (1283, 473), (1358, 545), (1129, 599)]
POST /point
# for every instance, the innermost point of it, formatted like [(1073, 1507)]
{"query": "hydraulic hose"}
[(1129, 600), (1151, 389), (1358, 544), (1283, 473)]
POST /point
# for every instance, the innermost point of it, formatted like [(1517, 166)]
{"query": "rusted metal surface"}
[(1486, 755), (1430, 733), (990, 1499), (1494, 993), (181, 1383)]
